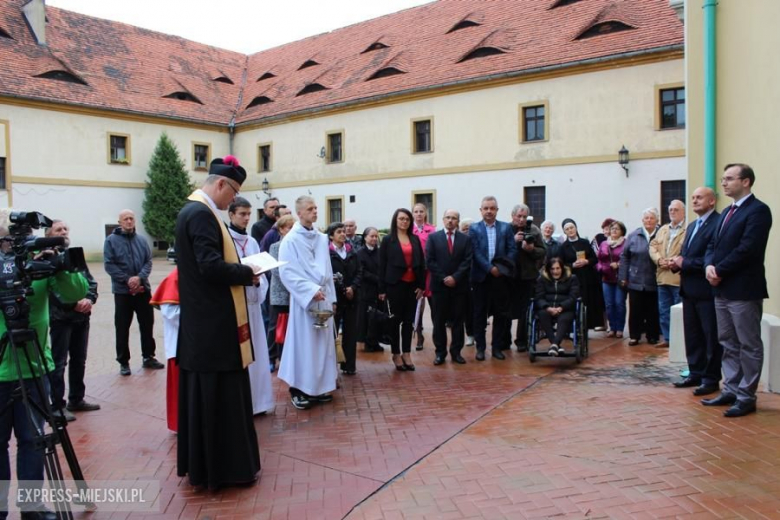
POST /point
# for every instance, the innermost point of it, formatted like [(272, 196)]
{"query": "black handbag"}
[(379, 316)]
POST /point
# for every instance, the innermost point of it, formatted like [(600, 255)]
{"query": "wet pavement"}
[(610, 438)]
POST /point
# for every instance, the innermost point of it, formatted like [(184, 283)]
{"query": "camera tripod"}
[(15, 343)]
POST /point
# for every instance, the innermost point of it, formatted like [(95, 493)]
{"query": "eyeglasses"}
[(729, 179), (235, 191)]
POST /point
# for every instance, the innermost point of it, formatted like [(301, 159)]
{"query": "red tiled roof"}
[(130, 69)]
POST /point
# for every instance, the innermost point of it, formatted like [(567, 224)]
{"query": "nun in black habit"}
[(577, 254), (217, 443)]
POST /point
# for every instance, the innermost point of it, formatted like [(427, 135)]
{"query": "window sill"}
[(662, 129), (423, 153), (200, 169), (120, 163), (535, 141)]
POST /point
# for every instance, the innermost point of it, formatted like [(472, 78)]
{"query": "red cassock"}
[(167, 293)]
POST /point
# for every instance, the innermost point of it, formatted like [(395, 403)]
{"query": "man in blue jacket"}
[(491, 272), (128, 261), (735, 269)]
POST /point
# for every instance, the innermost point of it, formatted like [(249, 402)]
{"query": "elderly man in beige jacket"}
[(666, 245)]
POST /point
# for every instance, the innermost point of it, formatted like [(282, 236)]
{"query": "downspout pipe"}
[(710, 92)]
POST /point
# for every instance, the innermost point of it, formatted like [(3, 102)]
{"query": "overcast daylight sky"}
[(245, 26)]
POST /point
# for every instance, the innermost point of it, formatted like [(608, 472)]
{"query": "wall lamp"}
[(321, 155), (266, 186), (623, 159)]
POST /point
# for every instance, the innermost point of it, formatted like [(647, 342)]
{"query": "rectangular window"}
[(534, 123), (335, 209), (264, 157), (422, 136), (535, 198), (118, 149), (336, 148), (670, 190), (428, 198), (201, 156), (673, 108), (2, 173)]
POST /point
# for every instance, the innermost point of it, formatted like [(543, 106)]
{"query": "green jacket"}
[(70, 288)]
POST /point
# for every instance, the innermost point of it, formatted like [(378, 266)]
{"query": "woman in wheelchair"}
[(557, 291)]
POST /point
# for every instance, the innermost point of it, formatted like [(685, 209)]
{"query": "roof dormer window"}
[(375, 47), (311, 87), (481, 52), (607, 27), (267, 75), (224, 79), (62, 75), (385, 72), (307, 64), (260, 100), (463, 24), (183, 96)]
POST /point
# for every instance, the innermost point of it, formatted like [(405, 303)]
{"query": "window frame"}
[(414, 141), (3, 173), (538, 219), (659, 105), (522, 121), (5, 134), (195, 167), (128, 155), (432, 217), (330, 199), (329, 151), (260, 157), (664, 205)]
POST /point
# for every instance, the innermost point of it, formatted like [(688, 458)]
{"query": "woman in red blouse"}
[(421, 228), (401, 283)]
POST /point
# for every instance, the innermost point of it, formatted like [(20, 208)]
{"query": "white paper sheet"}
[(262, 262)]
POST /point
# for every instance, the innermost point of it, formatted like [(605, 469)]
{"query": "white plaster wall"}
[(586, 193)]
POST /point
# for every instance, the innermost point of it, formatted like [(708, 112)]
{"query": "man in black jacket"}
[(69, 326), (128, 261), (700, 327), (530, 257), (262, 226), (448, 254)]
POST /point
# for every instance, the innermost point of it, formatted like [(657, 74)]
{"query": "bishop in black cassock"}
[(217, 443)]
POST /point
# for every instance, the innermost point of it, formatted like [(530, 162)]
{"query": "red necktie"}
[(449, 241), (728, 216)]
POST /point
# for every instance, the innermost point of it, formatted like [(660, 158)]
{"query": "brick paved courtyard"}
[(606, 439)]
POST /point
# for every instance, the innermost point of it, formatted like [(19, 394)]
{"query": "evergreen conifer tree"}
[(167, 188)]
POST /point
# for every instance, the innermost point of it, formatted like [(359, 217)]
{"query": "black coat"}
[(261, 227), (693, 282), (392, 265), (351, 273), (369, 282), (557, 293), (208, 331), (442, 264)]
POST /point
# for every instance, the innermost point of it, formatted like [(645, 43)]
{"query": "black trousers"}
[(125, 306), (68, 338), (564, 321), (448, 306), (403, 305), (643, 315), (492, 297), (367, 328), (468, 319), (702, 348), (346, 320), (521, 298)]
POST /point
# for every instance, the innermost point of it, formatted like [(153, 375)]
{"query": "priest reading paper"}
[(309, 361), (217, 444)]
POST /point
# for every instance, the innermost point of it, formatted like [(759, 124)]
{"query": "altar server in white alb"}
[(309, 360), (239, 211)]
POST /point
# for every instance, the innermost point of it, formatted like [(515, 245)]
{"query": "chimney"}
[(35, 14)]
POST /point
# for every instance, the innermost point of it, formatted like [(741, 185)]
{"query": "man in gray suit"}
[(735, 269)]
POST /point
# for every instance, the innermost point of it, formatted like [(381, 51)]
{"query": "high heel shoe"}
[(402, 366), (407, 366)]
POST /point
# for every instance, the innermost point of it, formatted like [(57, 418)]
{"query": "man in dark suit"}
[(494, 248), (217, 444), (448, 255), (735, 269), (699, 324)]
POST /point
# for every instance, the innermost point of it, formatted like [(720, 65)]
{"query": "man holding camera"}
[(69, 323), (530, 257), (128, 261), (28, 426)]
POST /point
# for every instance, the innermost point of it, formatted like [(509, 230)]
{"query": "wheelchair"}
[(579, 333)]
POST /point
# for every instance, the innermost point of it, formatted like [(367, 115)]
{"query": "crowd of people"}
[(228, 325)]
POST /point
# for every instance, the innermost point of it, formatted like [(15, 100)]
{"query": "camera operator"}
[(70, 287), (69, 325), (530, 257)]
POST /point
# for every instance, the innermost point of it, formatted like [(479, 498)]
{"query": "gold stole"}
[(237, 291)]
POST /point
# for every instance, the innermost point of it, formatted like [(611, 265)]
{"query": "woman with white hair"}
[(637, 273)]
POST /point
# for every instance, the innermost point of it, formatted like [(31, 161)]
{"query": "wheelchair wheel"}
[(531, 357), (531, 333), (581, 333)]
